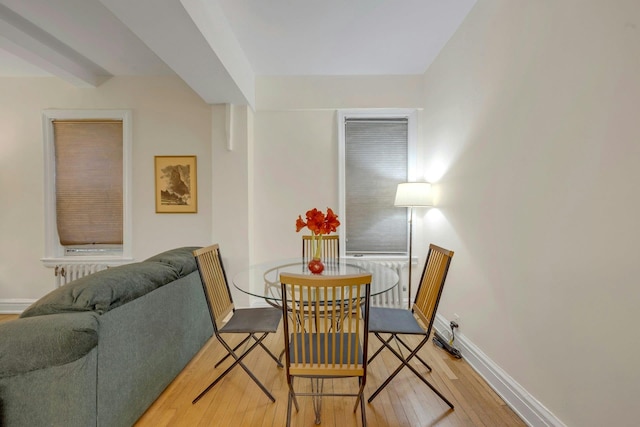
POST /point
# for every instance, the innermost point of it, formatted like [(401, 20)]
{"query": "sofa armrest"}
[(33, 343)]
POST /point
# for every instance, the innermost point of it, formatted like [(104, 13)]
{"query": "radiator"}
[(395, 297), (65, 273)]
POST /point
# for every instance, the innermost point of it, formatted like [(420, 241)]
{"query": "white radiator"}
[(395, 297), (65, 273)]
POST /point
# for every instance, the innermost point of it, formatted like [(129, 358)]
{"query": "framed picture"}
[(176, 187)]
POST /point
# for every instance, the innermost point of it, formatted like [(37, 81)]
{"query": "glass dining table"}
[(262, 281)]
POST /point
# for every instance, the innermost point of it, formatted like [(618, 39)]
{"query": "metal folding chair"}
[(394, 322), (255, 323), (326, 336)]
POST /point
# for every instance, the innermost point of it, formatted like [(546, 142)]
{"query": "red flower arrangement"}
[(319, 224)]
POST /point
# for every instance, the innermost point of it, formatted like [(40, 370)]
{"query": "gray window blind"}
[(376, 161), (89, 183)]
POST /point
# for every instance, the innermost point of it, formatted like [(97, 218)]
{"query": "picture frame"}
[(176, 184)]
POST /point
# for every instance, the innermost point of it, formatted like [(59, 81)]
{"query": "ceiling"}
[(218, 47)]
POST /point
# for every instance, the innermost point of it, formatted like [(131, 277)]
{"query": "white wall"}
[(295, 170), (296, 148), (531, 119), (168, 118)]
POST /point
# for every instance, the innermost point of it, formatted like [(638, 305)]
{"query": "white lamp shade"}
[(412, 194)]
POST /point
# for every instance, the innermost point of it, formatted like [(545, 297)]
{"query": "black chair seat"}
[(393, 321), (253, 320), (337, 348)]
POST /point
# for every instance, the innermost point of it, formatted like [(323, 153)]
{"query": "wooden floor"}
[(237, 401)]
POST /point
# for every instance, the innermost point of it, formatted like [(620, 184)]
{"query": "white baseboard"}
[(522, 402), (14, 306)]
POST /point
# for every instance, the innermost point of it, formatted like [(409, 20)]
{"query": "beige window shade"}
[(89, 184)]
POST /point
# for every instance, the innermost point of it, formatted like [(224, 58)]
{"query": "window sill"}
[(111, 260), (384, 258)]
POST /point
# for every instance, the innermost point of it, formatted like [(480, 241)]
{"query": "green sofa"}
[(99, 350)]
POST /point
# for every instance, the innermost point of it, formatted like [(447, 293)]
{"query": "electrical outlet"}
[(456, 318)]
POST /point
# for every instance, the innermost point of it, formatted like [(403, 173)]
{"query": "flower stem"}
[(317, 238)]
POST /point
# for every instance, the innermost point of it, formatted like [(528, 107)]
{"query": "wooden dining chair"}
[(315, 348), (254, 323), (388, 324), (329, 248)]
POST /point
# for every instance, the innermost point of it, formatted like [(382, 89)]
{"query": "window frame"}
[(412, 141), (54, 251)]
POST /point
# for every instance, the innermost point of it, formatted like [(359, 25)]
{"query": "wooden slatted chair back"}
[(326, 335), (329, 247), (214, 283), (431, 284)]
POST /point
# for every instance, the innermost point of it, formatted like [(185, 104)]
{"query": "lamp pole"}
[(410, 252), (411, 195)]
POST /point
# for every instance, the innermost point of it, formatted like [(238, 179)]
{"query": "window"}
[(87, 184), (377, 152)]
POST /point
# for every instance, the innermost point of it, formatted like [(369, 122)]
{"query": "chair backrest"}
[(329, 248), (328, 324), (214, 283), (431, 284)]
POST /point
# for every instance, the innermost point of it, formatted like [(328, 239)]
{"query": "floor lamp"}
[(412, 195)]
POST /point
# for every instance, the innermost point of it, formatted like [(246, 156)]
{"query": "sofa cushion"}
[(105, 290), (44, 341), (181, 259)]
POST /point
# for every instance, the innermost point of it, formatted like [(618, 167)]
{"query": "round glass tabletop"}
[(263, 280)]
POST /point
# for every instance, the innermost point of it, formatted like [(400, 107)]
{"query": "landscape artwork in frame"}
[(176, 187)]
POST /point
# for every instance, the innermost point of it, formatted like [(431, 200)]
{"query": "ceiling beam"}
[(217, 32), (34, 45), (169, 30)]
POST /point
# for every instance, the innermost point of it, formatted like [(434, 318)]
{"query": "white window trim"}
[(412, 127), (54, 251)]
